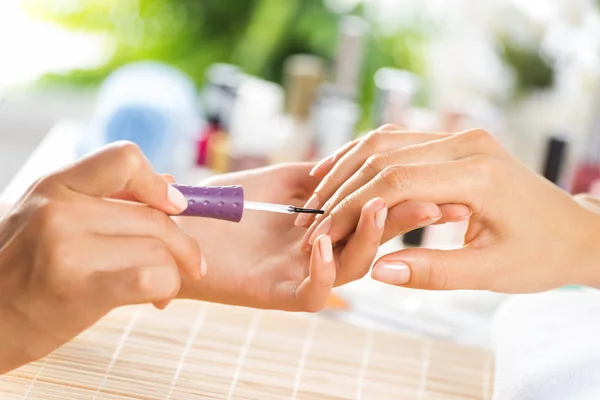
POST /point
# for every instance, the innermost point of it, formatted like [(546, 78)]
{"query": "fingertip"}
[(177, 200), (391, 272), (161, 305), (325, 248), (168, 178)]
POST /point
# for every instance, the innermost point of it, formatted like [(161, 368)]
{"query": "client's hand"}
[(68, 254), (525, 234), (259, 263)]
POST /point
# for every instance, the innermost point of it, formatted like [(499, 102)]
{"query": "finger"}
[(465, 268), (120, 219), (136, 285), (108, 253), (312, 294), (361, 164), (359, 252), (452, 213), (128, 196), (122, 167), (408, 216), (325, 165), (451, 147), (464, 181)]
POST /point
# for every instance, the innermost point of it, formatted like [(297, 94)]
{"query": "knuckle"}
[(373, 140), (390, 128), (142, 280), (481, 138), (377, 163), (129, 154), (395, 176), (346, 204), (437, 275)]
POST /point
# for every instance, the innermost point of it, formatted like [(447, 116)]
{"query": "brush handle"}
[(216, 202)]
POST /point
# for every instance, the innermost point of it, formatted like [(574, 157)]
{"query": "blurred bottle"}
[(554, 161), (152, 105), (219, 95), (337, 112), (255, 114), (395, 92), (586, 178), (295, 132)]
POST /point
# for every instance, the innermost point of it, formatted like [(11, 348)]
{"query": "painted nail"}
[(321, 164), (203, 268), (177, 199), (326, 249), (322, 229), (380, 217), (394, 273), (429, 221), (304, 219)]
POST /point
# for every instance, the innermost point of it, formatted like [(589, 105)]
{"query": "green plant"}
[(257, 35)]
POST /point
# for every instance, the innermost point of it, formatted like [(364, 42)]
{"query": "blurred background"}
[(212, 86)]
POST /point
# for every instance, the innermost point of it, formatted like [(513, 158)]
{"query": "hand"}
[(524, 235), (337, 169), (68, 254), (258, 262)]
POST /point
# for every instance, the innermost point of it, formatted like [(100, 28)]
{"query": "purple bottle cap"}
[(216, 202)]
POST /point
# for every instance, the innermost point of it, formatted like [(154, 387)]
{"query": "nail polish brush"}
[(228, 203)]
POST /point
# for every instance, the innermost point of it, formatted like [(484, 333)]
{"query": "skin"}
[(99, 234), (524, 234)]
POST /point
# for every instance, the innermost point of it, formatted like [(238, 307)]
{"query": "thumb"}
[(463, 268)]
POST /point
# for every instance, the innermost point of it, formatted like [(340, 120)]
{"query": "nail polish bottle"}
[(556, 149), (294, 136), (336, 110), (252, 136), (395, 91)]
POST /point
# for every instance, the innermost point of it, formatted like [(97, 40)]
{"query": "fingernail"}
[(326, 249), (177, 199), (203, 268), (467, 216), (321, 164), (322, 229), (395, 273), (380, 217), (304, 219), (429, 221)]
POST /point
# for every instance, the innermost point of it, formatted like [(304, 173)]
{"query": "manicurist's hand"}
[(525, 234), (258, 262), (80, 243)]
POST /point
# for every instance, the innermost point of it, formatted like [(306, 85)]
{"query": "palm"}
[(257, 262)]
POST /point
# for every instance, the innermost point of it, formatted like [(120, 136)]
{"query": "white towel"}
[(547, 346)]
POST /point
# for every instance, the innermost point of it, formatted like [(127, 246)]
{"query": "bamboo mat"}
[(195, 350)]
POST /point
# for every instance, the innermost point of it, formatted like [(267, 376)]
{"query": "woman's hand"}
[(258, 262), (525, 234), (69, 254), (336, 170)]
